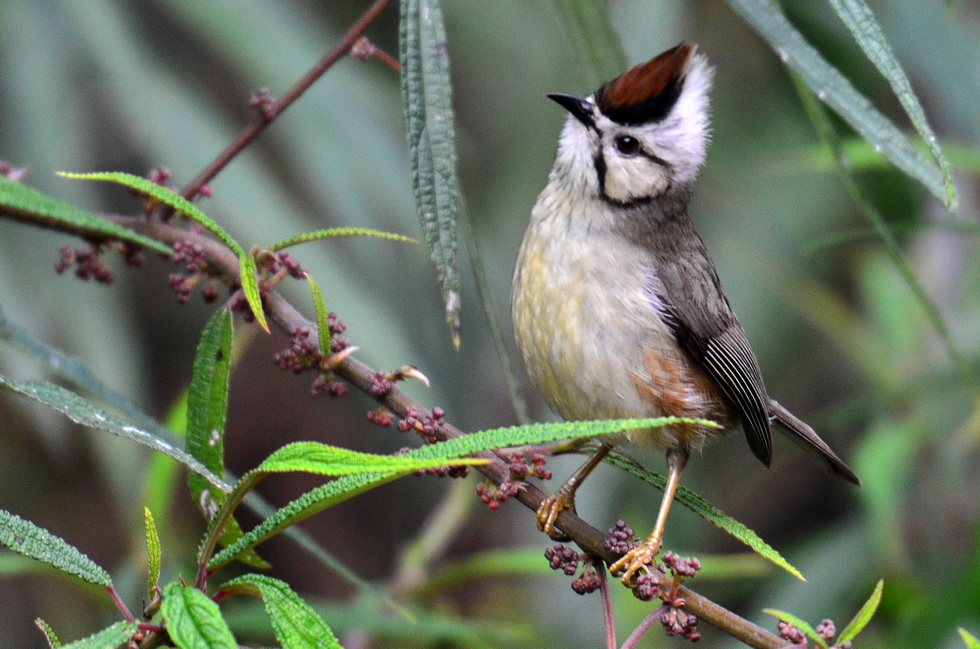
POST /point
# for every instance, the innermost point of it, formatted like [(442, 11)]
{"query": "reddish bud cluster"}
[(264, 103), (428, 426), (678, 622), (519, 468), (588, 582), (87, 261), (561, 557), (790, 633), (304, 354), (492, 495), (681, 566), (622, 540), (17, 174), (826, 629), (380, 416)]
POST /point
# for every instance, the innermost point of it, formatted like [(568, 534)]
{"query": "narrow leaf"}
[(587, 26), (296, 624), (166, 196), (969, 639), (207, 406), (84, 412), (322, 459), (707, 511), (322, 317), (863, 616), (26, 538), (152, 551), (48, 633), (833, 88), (800, 624), (109, 637), (193, 620), (427, 94), (858, 17), (331, 233), (250, 286), (27, 204)]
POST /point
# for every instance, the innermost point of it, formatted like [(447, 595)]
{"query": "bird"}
[(617, 307)]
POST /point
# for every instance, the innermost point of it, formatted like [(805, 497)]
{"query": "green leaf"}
[(834, 89), (707, 511), (107, 638), (84, 412), (27, 204), (173, 199), (802, 625), (331, 233), (863, 616), (858, 17), (193, 620), (587, 26), (48, 633), (207, 406), (322, 317), (969, 639), (26, 538), (322, 459), (427, 94), (297, 626), (152, 551)]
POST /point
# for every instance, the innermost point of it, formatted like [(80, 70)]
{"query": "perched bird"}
[(617, 307)]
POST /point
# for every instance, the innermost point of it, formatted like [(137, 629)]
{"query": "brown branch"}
[(590, 539), (265, 117)]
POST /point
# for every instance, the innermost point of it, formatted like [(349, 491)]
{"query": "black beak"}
[(579, 108)]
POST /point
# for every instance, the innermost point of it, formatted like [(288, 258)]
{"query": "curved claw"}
[(548, 512), (638, 559)]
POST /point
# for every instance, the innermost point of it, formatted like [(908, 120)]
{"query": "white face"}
[(629, 164)]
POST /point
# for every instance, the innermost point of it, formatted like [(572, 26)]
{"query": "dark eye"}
[(627, 145)]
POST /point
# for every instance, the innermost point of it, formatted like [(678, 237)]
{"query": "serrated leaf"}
[(28, 204), (969, 639), (152, 551), (296, 624), (193, 620), (800, 624), (833, 88), (322, 317), (860, 20), (107, 638), (322, 459), (446, 452), (707, 511), (26, 538), (84, 412), (863, 616), (587, 26), (48, 633), (427, 94), (331, 233), (173, 199)]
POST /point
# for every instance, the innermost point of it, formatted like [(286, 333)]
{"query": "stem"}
[(121, 605), (264, 118), (607, 612), (652, 618)]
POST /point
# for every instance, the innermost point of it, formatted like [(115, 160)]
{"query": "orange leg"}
[(640, 557), (564, 498)]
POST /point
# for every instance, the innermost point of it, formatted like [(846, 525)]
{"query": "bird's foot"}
[(637, 560), (549, 510)]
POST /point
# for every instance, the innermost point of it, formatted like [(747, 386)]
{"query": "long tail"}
[(803, 436)]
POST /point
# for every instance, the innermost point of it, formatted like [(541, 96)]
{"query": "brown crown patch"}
[(646, 92)]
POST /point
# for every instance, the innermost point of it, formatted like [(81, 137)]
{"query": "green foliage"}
[(48, 633), (153, 551), (587, 25), (427, 93), (322, 316), (111, 636), (193, 620), (18, 200), (969, 639), (296, 624), (333, 233), (863, 616), (26, 538)]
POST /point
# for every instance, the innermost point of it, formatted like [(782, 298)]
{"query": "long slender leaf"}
[(173, 199), (969, 639), (296, 624), (107, 638), (193, 620), (26, 538), (84, 412), (152, 551), (858, 17), (833, 87), (707, 511), (322, 316), (331, 233), (427, 94), (26, 203), (48, 633), (587, 25), (863, 616)]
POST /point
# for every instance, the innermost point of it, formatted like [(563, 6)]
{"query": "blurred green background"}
[(129, 85)]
